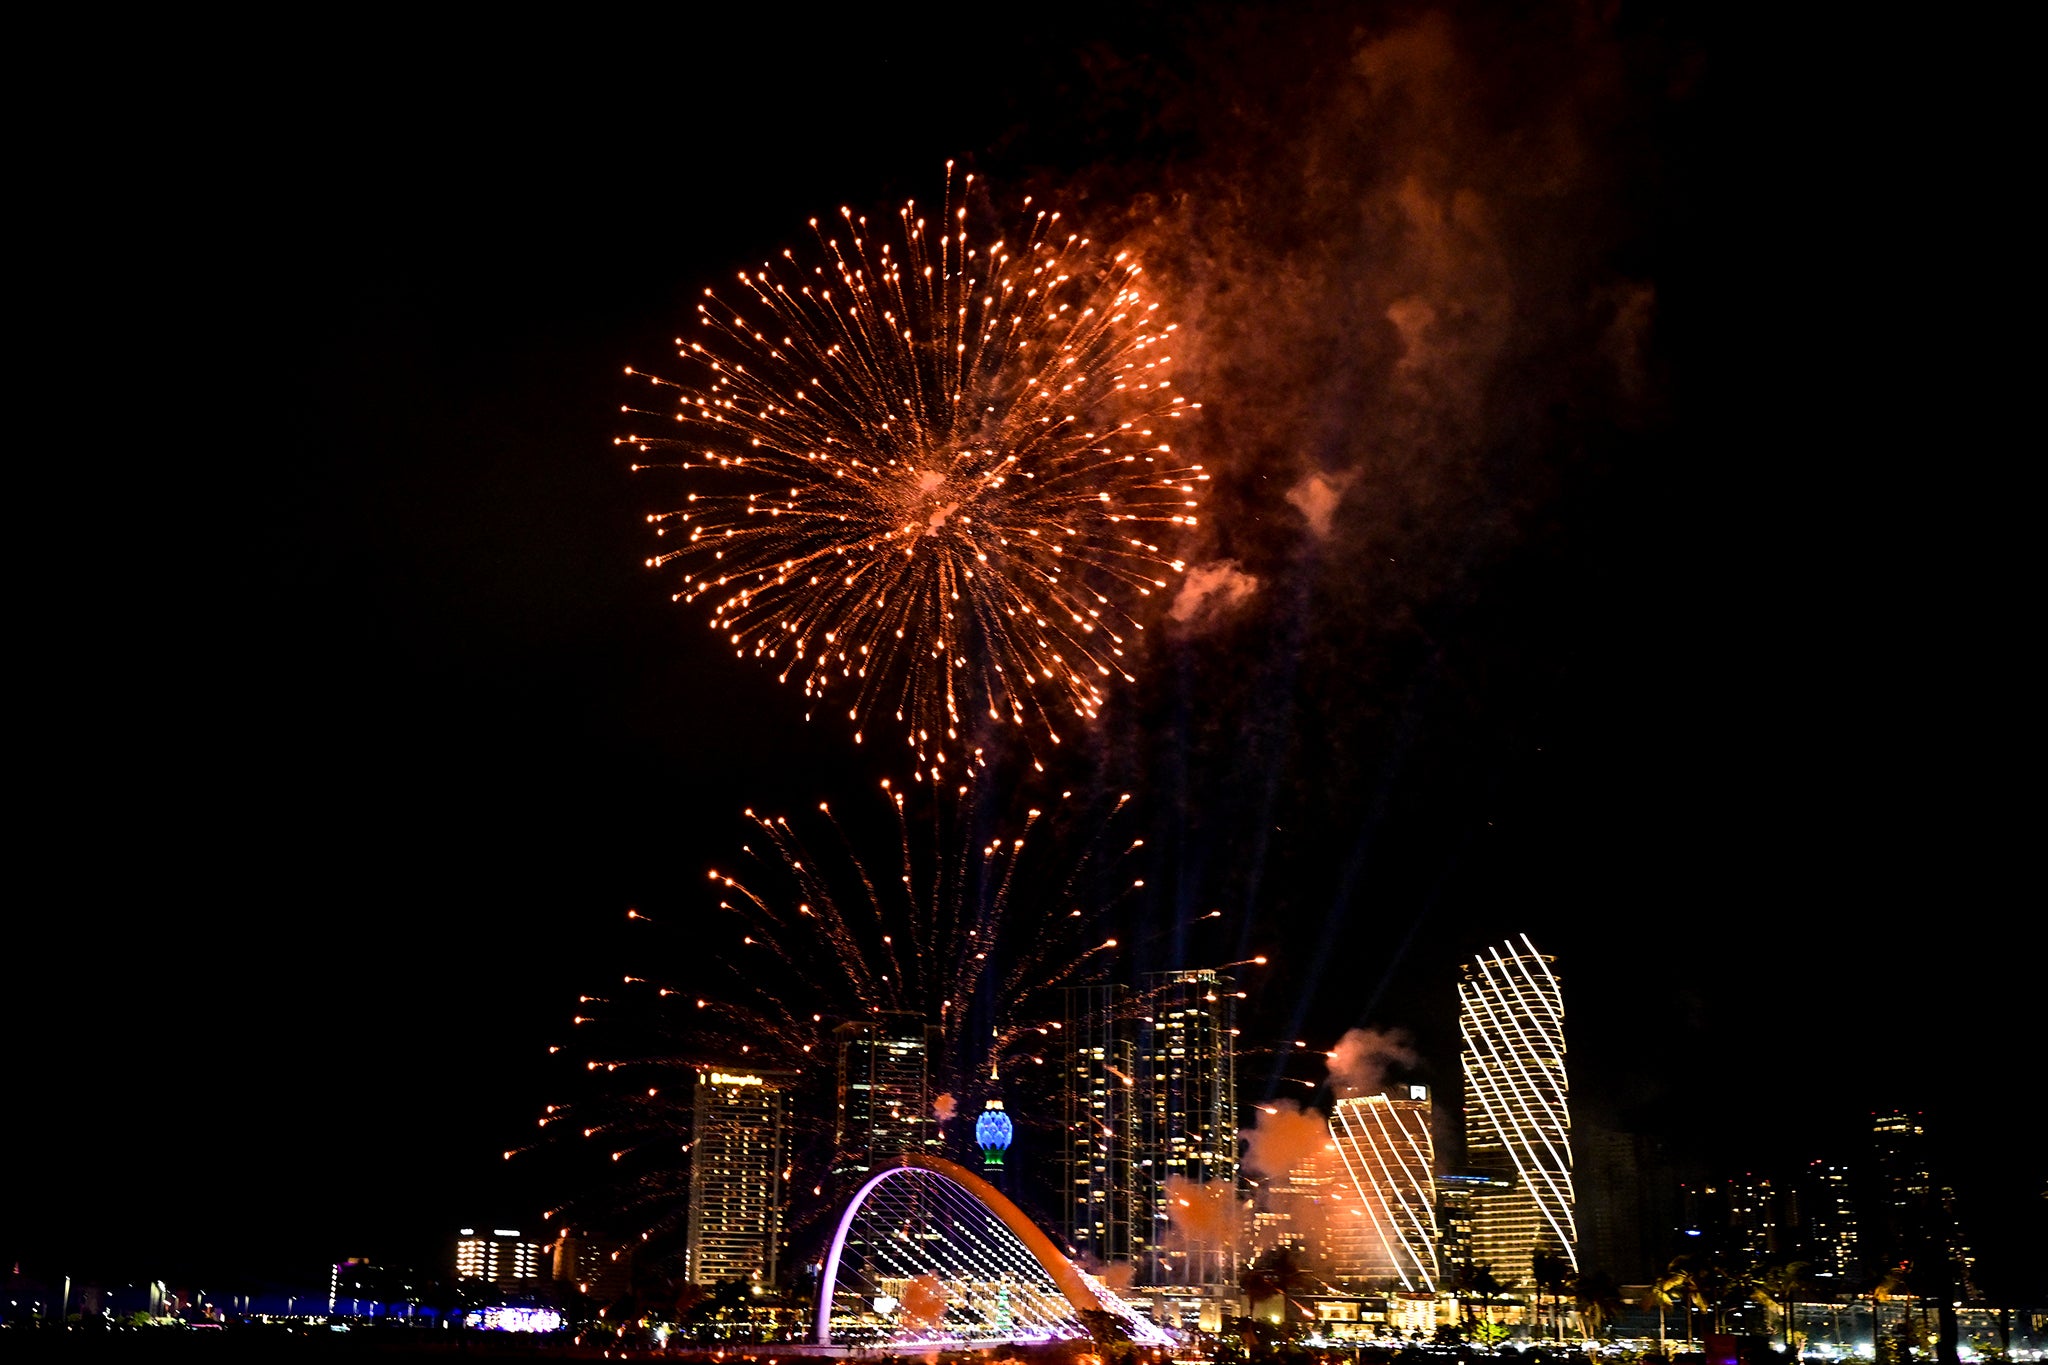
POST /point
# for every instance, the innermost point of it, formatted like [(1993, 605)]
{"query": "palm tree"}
[(1681, 1282), (1550, 1272), (1596, 1299), (1779, 1289), (1886, 1284), (1480, 1282), (1275, 1274), (1663, 1297), (1724, 1287), (1473, 1283)]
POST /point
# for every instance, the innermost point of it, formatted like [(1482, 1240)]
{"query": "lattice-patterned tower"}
[(1385, 1155), (1518, 1123)]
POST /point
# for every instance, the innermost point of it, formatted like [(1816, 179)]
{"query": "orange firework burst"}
[(928, 474)]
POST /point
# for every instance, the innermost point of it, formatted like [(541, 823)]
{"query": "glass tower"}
[(1100, 1190), (885, 1092), (1187, 1125)]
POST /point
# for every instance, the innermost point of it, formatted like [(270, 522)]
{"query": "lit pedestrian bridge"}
[(928, 1253)]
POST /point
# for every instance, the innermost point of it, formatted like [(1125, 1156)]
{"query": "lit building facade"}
[(739, 1148), (1386, 1157), (1915, 1214), (1295, 1210), (501, 1258), (885, 1092), (1760, 1217), (1187, 1124), (1457, 1195), (1517, 1109), (359, 1284), (598, 1269), (1099, 1191), (1833, 1233)]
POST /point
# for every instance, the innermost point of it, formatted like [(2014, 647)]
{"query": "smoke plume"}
[(1202, 1216), (1117, 1275), (924, 1301), (1316, 497), (1363, 1056), (1209, 592), (1286, 1136), (1397, 258)]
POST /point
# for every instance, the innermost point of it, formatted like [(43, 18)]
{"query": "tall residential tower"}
[(1187, 1122), (739, 1144), (885, 1092), (1518, 1123), (1386, 1160), (1100, 1190)]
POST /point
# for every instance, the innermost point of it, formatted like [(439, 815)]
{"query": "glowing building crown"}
[(993, 1132)]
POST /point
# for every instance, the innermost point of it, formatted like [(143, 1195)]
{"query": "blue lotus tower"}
[(993, 1131)]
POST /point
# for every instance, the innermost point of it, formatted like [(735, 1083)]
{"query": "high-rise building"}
[(501, 1258), (596, 1268), (1187, 1126), (1292, 1210), (1517, 1109), (1915, 1213), (1760, 1218), (1626, 1186), (1386, 1158), (1607, 1180), (885, 1092), (1832, 1235), (1457, 1194), (1099, 1194), (359, 1285), (739, 1146)]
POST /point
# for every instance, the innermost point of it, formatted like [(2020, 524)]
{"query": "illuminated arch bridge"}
[(928, 1253)]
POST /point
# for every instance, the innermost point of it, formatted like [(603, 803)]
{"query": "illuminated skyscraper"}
[(1915, 1215), (1457, 1195), (1100, 1191), (1295, 1209), (1517, 1114), (739, 1145), (509, 1263), (1385, 1158), (1187, 1122), (1759, 1218), (885, 1092), (1833, 1231), (596, 1268)]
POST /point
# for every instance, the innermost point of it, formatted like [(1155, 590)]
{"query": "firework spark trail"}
[(929, 471)]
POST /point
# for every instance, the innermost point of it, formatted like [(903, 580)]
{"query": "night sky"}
[(1652, 614)]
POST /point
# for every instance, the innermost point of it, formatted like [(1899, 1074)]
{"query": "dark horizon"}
[(363, 726)]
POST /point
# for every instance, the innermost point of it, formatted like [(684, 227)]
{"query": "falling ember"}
[(926, 468)]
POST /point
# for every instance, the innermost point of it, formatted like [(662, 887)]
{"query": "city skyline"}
[(1371, 1209), (1371, 1203)]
